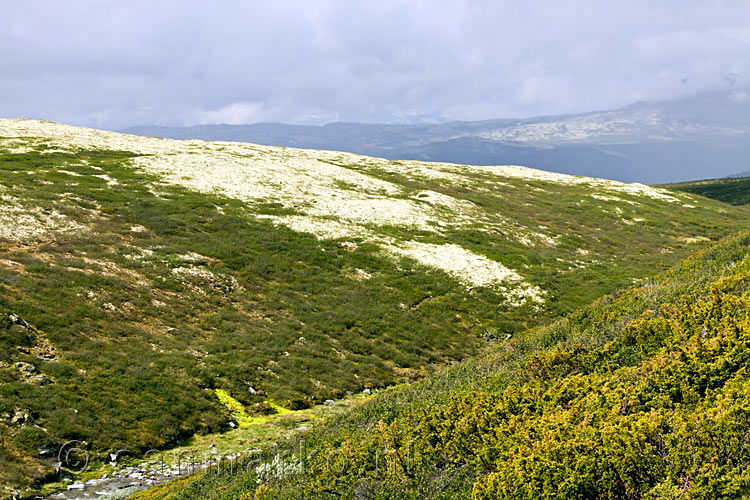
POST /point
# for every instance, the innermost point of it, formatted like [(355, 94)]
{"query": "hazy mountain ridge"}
[(696, 137)]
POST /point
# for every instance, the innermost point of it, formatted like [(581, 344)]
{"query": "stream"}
[(129, 480)]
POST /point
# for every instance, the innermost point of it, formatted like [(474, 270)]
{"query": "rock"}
[(19, 417), (26, 368), (76, 486), (330, 402), (39, 380), (18, 320)]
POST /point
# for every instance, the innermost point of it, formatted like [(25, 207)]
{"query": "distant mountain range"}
[(706, 135)]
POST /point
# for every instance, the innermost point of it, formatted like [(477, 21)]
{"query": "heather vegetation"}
[(732, 190), (643, 394), (133, 309)]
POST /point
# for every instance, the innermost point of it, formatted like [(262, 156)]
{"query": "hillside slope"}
[(643, 394), (139, 275), (732, 190)]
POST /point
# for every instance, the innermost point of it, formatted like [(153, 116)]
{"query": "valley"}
[(138, 276)]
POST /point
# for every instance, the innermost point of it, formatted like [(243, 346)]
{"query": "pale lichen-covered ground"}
[(331, 200), (19, 223)]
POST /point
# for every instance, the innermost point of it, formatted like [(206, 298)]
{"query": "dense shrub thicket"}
[(644, 395)]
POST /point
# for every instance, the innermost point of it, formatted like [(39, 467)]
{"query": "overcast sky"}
[(115, 64)]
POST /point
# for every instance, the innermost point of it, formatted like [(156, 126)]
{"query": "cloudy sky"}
[(115, 64)]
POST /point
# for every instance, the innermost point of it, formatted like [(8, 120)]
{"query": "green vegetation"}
[(126, 326), (258, 413), (643, 394), (732, 190)]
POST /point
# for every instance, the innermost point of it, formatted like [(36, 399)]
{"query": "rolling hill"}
[(140, 275), (732, 190)]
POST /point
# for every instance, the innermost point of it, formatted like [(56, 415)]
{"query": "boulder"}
[(19, 417), (39, 380), (26, 368), (17, 320)]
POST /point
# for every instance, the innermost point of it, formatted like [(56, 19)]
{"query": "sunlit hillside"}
[(140, 275)]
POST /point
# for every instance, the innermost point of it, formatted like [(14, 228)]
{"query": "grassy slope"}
[(732, 190), (139, 348), (643, 394)]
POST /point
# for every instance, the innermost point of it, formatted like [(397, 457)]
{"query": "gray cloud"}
[(114, 64)]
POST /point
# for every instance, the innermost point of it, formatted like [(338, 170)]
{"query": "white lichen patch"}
[(11, 264), (469, 268), (532, 239), (605, 197), (199, 279), (110, 180), (21, 224), (109, 268), (14, 144), (518, 172), (195, 257), (140, 254), (696, 239), (358, 274), (68, 172), (442, 200), (322, 228)]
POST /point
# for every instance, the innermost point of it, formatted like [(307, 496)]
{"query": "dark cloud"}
[(114, 64)]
